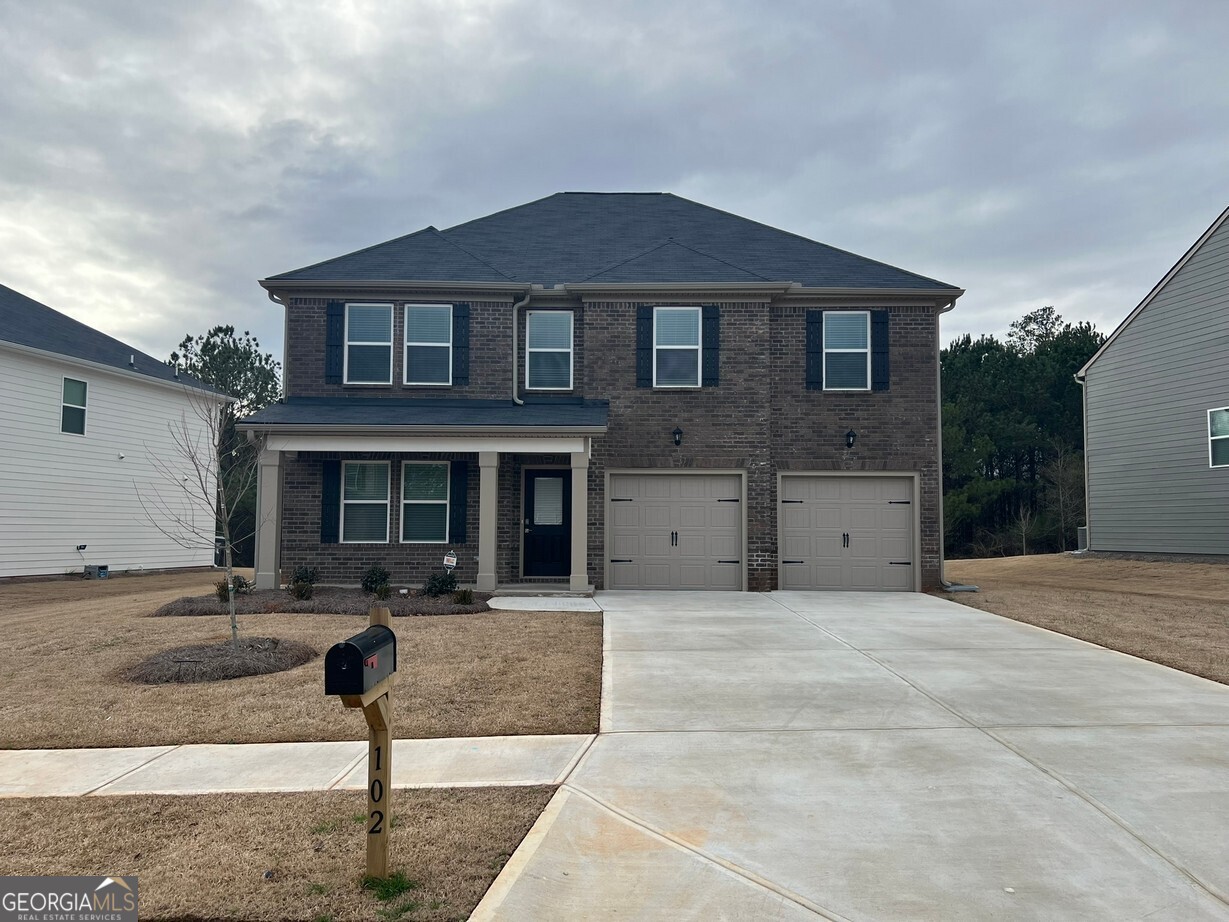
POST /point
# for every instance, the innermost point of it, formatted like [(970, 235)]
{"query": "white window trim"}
[(347, 344), (386, 503), (446, 503), (569, 350), (1215, 438), (84, 408), (825, 350), (405, 351), (698, 348)]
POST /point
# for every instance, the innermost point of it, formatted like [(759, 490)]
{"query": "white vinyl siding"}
[(1218, 437), (847, 351), (369, 344), (676, 347), (424, 502), (57, 492), (364, 502), (72, 407), (428, 344), (548, 351)]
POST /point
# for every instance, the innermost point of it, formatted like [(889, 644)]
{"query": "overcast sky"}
[(157, 158)]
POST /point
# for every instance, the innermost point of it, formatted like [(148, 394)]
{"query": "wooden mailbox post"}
[(361, 671)]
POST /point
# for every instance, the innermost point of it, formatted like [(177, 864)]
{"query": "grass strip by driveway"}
[(486, 674), (274, 857), (1173, 613)]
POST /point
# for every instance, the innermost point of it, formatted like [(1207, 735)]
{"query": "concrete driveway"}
[(878, 756)]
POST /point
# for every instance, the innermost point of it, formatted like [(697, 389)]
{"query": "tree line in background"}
[(1013, 437)]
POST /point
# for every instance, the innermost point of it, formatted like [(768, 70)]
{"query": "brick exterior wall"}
[(760, 419)]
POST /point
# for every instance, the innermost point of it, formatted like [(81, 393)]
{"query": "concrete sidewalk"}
[(854, 756)]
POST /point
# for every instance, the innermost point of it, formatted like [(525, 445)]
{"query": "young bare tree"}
[(193, 503), (1063, 477)]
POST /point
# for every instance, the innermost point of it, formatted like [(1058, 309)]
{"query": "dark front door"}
[(548, 522)]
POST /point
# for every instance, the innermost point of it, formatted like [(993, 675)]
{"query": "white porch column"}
[(579, 581), (488, 508), (268, 519)]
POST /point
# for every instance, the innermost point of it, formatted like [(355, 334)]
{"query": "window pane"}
[(845, 369), (74, 392), (424, 522), (366, 481), (365, 522), (845, 331), (425, 481), (548, 501), (370, 324), (1218, 422), (72, 420), (677, 327), (678, 368), (550, 330), (550, 369), (369, 364), (427, 364), (429, 324), (1220, 451)]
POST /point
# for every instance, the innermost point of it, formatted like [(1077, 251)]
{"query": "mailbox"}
[(357, 665)]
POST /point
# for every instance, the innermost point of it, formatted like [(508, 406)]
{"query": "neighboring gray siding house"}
[(1156, 411), (612, 391)]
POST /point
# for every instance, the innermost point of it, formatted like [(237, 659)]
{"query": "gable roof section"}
[(26, 322), (620, 237), (1157, 289)]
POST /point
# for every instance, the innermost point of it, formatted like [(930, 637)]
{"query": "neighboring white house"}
[(84, 421)]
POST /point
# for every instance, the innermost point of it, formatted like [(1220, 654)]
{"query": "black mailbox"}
[(357, 665)]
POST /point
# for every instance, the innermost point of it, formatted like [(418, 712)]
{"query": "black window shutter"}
[(334, 341), (330, 502), (644, 345), (815, 350), (710, 338), (880, 373), (458, 506), (460, 345)]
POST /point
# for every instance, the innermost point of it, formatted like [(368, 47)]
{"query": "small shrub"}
[(383, 591), (242, 587), (439, 584), (305, 575), (300, 589), (463, 597), (374, 577), (223, 591)]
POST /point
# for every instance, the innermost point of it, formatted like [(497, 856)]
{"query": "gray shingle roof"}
[(430, 413), (26, 322), (621, 237)]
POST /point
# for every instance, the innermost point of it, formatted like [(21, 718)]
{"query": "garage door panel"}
[(863, 517), (898, 517), (625, 515), (692, 516), (656, 545), (900, 578), (625, 545), (727, 515), (725, 547), (655, 516), (825, 576), (894, 548), (795, 517), (725, 576), (826, 517)]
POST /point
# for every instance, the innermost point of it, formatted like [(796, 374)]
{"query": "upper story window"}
[(548, 351), (1218, 437), (364, 502), (369, 344), (676, 347), (847, 351), (428, 344), (72, 407)]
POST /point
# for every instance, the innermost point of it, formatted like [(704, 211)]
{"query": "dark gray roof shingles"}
[(443, 413)]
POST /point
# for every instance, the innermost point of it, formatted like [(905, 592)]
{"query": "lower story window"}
[(424, 502), (1218, 437), (364, 502)]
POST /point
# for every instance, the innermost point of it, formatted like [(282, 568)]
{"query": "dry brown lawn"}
[(486, 674), (207, 857), (1168, 612)]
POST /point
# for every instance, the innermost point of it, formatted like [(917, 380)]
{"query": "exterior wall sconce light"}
[(678, 436), (850, 438)]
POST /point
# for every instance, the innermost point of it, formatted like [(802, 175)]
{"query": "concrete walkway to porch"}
[(878, 756)]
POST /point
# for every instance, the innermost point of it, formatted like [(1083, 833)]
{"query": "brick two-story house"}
[(611, 391)]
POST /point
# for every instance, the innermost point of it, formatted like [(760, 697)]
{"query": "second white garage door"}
[(675, 531), (842, 532)]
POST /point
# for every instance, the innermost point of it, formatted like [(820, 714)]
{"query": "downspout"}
[(1082, 379), (949, 587), (516, 348), (285, 338)]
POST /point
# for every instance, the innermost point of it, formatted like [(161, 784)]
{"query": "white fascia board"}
[(353, 443)]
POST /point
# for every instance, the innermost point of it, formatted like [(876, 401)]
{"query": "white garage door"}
[(846, 532), (675, 531)]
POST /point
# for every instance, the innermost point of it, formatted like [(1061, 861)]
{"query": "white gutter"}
[(516, 351)]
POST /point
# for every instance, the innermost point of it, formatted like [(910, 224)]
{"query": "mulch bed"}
[(325, 600), (212, 662)]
